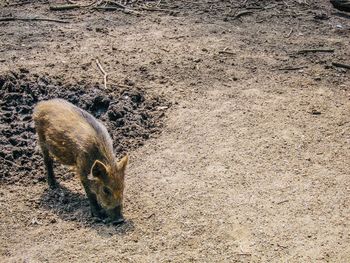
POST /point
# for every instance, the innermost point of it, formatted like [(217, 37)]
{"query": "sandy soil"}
[(252, 164)]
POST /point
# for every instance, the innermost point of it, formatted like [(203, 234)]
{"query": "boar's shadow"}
[(74, 206)]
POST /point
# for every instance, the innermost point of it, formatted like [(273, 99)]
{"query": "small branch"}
[(103, 72), (304, 51), (281, 246), (149, 216), (10, 162), (114, 8), (63, 7), (242, 13), (227, 52), (176, 37), (281, 202), (340, 65), (289, 34), (32, 19)]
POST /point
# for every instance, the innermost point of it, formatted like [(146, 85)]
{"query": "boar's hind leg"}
[(49, 167)]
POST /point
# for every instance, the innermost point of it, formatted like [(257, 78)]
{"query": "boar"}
[(75, 138)]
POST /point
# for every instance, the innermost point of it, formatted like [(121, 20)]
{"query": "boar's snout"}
[(115, 215)]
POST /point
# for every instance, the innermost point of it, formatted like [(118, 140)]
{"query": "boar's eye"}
[(106, 191)]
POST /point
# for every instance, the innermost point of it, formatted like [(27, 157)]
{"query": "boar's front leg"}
[(49, 166), (96, 209), (84, 172)]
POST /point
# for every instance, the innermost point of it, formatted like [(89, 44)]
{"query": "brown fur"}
[(75, 138)]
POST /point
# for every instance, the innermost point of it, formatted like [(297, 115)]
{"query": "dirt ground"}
[(252, 161)]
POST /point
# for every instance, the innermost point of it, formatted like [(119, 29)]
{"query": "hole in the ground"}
[(129, 115)]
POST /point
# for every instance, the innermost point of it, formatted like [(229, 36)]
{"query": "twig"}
[(304, 51), (32, 19), (103, 72), (10, 162), (243, 13), (113, 8), (63, 7), (281, 202), (340, 65), (176, 37), (227, 52), (282, 246), (149, 216), (243, 4), (293, 68), (289, 34)]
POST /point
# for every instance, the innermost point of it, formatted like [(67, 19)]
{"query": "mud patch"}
[(129, 115)]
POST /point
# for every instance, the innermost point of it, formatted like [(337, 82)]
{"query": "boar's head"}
[(107, 182)]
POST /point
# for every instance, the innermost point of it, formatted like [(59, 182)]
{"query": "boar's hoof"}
[(114, 222), (53, 184), (98, 213), (118, 221)]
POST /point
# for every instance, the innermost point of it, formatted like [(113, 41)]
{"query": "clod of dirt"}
[(129, 115)]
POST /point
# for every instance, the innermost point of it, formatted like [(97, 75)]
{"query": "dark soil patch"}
[(130, 116)]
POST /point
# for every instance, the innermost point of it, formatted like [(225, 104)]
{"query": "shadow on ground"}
[(73, 206)]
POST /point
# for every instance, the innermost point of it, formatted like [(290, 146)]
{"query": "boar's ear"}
[(99, 170), (123, 163)]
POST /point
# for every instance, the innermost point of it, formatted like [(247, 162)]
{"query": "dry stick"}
[(113, 8), (340, 65), (176, 37), (304, 51), (103, 72), (10, 162), (290, 33), (227, 52), (63, 7), (243, 13), (32, 19)]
